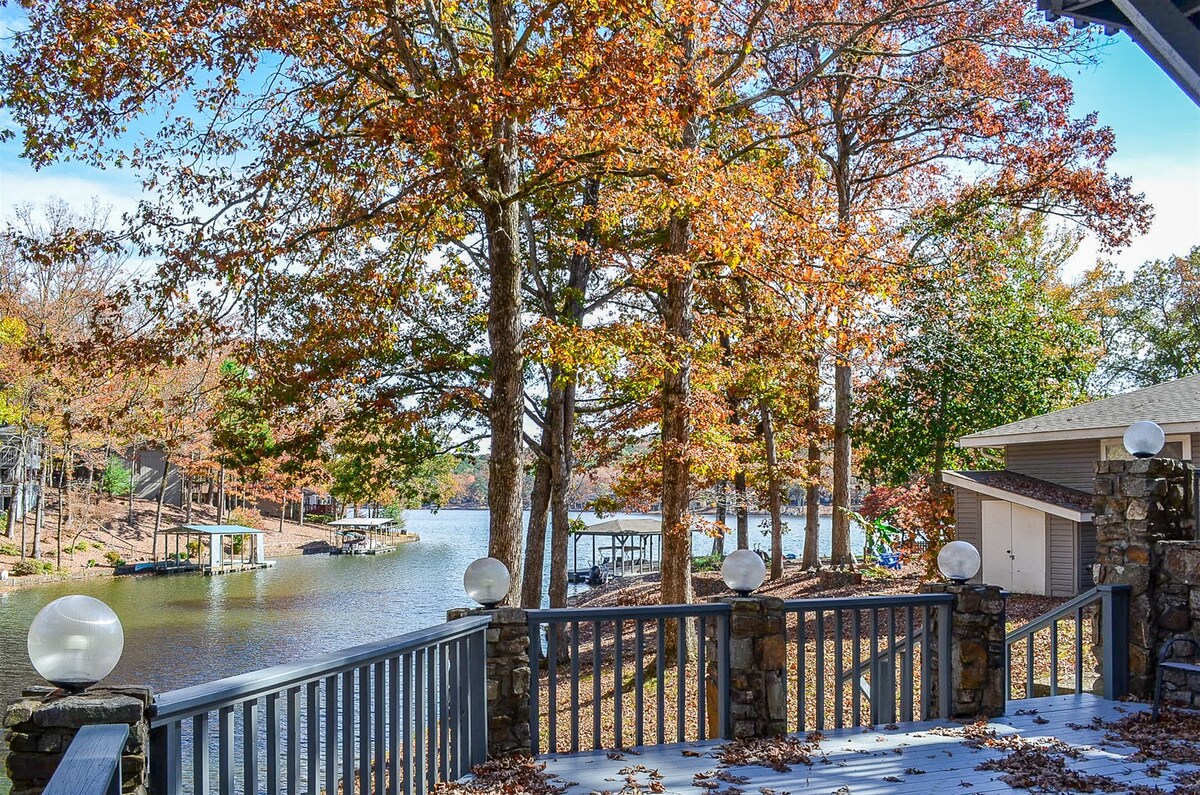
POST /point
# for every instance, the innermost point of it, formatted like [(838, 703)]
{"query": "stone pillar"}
[(757, 663), (976, 650), (1177, 583), (508, 679), (41, 724), (1138, 504)]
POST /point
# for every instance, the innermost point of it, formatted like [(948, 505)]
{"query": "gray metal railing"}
[(92, 763), (1113, 603), (395, 716), (636, 661), (888, 640)]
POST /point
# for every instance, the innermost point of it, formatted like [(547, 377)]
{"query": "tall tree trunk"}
[(842, 381), (162, 496), (62, 501), (282, 511), (560, 479), (505, 335), (133, 473), (39, 520), (774, 489), (187, 512), (743, 510), (812, 491), (221, 495), (535, 539), (718, 547)]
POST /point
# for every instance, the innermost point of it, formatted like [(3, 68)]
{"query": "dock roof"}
[(213, 530)]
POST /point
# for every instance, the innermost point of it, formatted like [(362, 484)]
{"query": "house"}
[(1032, 521), (20, 467)]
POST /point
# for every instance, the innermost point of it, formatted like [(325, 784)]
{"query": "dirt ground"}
[(104, 526)]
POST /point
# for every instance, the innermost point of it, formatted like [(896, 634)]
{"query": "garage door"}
[(1014, 547)]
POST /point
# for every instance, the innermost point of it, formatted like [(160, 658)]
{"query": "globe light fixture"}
[(743, 571), (75, 641), (958, 561), (487, 582), (1144, 439)]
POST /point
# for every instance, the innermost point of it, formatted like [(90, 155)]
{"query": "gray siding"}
[(147, 476), (1070, 463), (1062, 561), (1087, 555), (968, 520)]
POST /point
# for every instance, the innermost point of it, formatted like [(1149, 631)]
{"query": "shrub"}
[(923, 513), (707, 563), (114, 558), (9, 549), (30, 566), (118, 477), (246, 517)]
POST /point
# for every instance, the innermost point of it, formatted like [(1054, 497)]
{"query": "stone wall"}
[(757, 667), (508, 679), (41, 724), (1177, 606), (976, 650), (1141, 507)]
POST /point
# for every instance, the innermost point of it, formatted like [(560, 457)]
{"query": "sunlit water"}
[(186, 629)]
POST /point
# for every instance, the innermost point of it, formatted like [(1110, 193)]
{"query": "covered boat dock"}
[(366, 536), (246, 551), (620, 547)]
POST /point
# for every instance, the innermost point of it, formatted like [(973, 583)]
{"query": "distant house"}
[(20, 465), (1032, 521)]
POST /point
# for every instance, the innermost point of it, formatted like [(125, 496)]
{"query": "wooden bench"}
[(1165, 664)]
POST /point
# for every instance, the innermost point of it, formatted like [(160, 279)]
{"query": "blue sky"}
[(1158, 145)]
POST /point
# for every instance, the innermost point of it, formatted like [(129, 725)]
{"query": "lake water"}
[(187, 629)]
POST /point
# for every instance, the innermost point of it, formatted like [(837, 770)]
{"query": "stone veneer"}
[(508, 679), (757, 667), (1177, 588), (41, 724), (976, 650), (1143, 511)]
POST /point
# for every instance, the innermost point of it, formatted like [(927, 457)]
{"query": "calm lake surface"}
[(187, 629)]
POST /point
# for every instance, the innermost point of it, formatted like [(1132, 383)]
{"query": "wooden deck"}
[(906, 759)]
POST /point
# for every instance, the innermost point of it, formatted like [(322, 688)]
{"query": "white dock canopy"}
[(634, 545), (215, 535)]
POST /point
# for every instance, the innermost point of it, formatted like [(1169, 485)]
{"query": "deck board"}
[(860, 761)]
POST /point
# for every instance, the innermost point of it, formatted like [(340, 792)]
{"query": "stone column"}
[(1138, 504), (757, 663), (976, 650), (508, 679), (41, 724)]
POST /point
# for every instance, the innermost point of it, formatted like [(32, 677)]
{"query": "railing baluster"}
[(552, 685), (819, 627), (838, 694), (639, 684), (596, 685), (380, 714), (419, 761), (1054, 658), (409, 708), (1078, 650), (574, 686), (906, 689), (926, 685), (801, 664), (535, 675), (723, 714), (618, 673), (200, 740), (348, 726), (680, 680), (1029, 666), (225, 738), (394, 695), (250, 746), (660, 683), (292, 721), (890, 701), (874, 666), (331, 733), (701, 680), (313, 725), (274, 746), (431, 708), (856, 662), (443, 713), (945, 617), (364, 730)]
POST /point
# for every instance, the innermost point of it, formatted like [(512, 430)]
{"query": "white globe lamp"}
[(958, 561), (75, 641), (487, 582), (743, 571), (1144, 439)]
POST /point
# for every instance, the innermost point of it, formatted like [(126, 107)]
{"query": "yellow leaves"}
[(12, 331)]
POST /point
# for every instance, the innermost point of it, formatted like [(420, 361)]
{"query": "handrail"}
[(1057, 614), (559, 615), (197, 699), (92, 763), (868, 602)]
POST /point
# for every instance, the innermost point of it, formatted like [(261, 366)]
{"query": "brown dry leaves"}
[(778, 753), (520, 775)]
